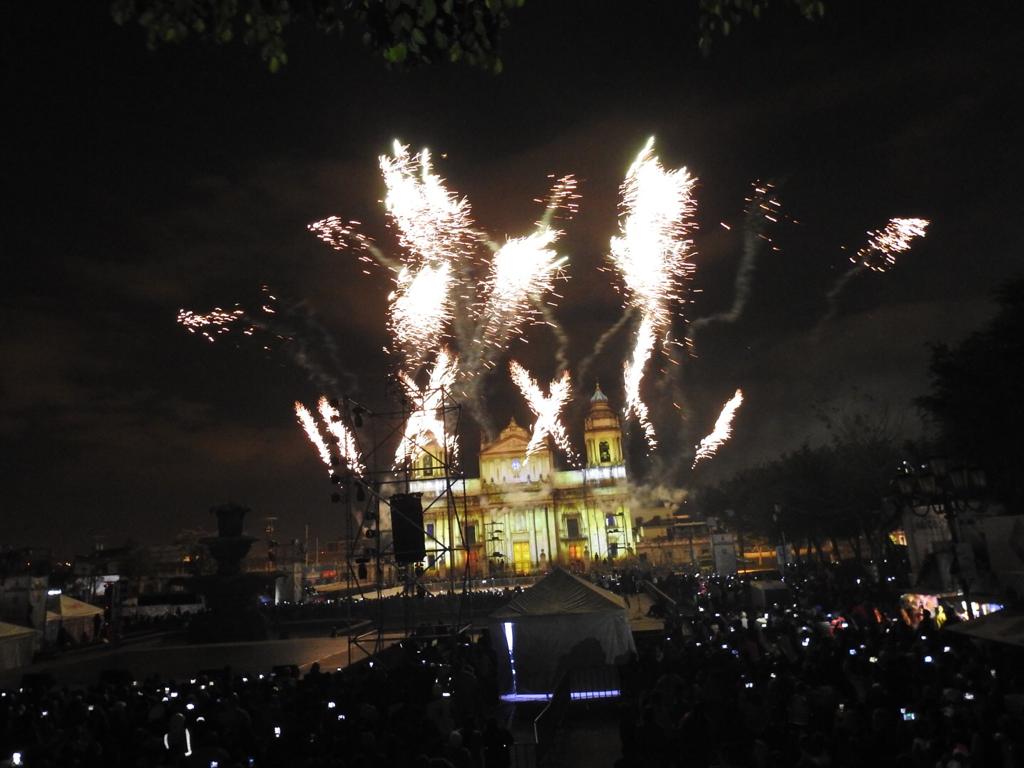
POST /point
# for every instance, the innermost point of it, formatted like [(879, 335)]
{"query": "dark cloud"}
[(141, 183)]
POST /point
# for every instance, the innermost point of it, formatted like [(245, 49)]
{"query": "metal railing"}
[(547, 723), (373, 641), (660, 597), (583, 684)]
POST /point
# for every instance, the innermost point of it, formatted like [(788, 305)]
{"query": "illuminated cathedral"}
[(523, 515)]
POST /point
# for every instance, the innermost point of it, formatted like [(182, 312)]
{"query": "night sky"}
[(138, 183)]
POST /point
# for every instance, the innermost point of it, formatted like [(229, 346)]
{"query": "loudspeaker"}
[(407, 527)]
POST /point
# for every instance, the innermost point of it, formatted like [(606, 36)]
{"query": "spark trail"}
[(722, 431), (312, 431), (632, 374), (347, 455), (348, 450)]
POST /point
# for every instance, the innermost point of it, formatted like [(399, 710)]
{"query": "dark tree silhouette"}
[(720, 17), (977, 396), (831, 492), (402, 32)]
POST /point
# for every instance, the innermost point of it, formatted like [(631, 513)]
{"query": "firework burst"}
[(878, 255), (722, 431), (522, 272), (435, 232), (882, 248), (216, 322), (547, 409), (426, 424), (652, 253), (434, 224), (562, 201), (341, 235), (420, 310)]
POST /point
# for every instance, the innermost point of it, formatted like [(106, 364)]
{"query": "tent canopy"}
[(561, 593), (17, 644), (1006, 626), (15, 630), (69, 608), (561, 623)]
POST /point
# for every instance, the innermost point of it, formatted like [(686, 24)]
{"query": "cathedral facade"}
[(523, 515)]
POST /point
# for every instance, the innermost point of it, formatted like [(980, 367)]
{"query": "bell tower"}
[(430, 463), (602, 432)]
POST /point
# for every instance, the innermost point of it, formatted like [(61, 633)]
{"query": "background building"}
[(523, 515)]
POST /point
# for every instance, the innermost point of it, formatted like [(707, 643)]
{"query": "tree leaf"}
[(396, 54), (428, 10)]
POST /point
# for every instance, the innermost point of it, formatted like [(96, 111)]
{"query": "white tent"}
[(561, 623), (17, 644), (75, 616)]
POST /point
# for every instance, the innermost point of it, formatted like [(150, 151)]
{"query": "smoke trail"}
[(316, 354), (762, 209), (293, 330), (878, 255), (832, 297), (562, 348), (583, 369)]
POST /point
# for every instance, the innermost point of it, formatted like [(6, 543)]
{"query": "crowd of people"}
[(423, 703), (838, 675), (835, 673)]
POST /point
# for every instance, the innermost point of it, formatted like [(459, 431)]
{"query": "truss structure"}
[(367, 495)]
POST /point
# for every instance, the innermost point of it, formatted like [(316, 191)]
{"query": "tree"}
[(402, 32), (868, 444), (976, 398), (829, 492), (719, 17)]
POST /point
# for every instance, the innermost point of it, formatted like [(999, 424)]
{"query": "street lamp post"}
[(949, 492)]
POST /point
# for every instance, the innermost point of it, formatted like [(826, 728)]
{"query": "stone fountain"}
[(232, 594)]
